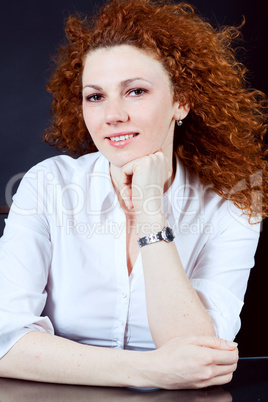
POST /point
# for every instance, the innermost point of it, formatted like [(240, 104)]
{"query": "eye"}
[(93, 98), (137, 91)]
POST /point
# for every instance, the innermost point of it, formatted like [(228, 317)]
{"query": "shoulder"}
[(58, 172), (64, 169), (191, 194), (199, 204), (67, 164)]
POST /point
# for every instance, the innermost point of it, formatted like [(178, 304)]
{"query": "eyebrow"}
[(122, 83)]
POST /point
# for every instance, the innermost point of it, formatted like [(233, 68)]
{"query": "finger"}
[(224, 370), (216, 375), (213, 342), (219, 380), (222, 357), (129, 168), (159, 152), (126, 195), (159, 156), (213, 357), (221, 374)]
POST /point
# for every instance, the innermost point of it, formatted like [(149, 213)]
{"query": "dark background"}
[(30, 33)]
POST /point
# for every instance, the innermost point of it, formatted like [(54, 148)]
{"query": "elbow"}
[(211, 328), (4, 367), (207, 328)]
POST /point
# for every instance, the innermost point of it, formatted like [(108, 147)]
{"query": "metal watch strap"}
[(155, 237)]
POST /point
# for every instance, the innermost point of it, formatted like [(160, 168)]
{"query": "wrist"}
[(147, 369), (151, 369), (139, 369), (150, 224)]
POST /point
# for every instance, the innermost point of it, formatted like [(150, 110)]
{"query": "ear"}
[(181, 111)]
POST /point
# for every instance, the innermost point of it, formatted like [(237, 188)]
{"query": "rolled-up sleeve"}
[(25, 255), (222, 271)]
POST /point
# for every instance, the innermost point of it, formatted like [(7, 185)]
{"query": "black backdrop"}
[(30, 32)]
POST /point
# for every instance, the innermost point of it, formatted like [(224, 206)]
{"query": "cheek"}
[(159, 111), (160, 124), (90, 118)]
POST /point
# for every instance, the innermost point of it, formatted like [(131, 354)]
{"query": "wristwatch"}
[(166, 234)]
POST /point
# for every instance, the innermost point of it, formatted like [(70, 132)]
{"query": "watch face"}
[(168, 234)]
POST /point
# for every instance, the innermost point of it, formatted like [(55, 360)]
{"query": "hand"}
[(193, 362), (144, 180)]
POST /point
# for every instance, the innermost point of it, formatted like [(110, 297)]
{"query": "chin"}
[(119, 163), (121, 160)]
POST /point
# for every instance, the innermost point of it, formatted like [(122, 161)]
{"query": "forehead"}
[(123, 60)]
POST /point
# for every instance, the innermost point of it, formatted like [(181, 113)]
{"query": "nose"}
[(115, 112)]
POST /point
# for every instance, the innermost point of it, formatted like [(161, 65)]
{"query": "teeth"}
[(122, 137)]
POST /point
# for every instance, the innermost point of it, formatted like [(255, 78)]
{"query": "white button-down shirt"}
[(63, 256)]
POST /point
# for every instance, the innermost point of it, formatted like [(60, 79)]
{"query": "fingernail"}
[(232, 344)]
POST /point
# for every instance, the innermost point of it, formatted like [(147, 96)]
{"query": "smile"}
[(122, 137)]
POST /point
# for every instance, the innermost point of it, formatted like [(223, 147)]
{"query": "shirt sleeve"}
[(25, 255), (222, 270)]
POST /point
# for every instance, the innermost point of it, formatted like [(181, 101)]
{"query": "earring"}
[(179, 122)]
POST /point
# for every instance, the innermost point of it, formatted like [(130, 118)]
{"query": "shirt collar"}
[(104, 196)]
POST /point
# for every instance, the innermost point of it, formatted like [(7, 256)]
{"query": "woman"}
[(96, 261)]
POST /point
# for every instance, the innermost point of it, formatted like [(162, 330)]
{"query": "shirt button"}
[(121, 322), (124, 295)]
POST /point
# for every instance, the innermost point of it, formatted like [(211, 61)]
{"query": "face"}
[(128, 104)]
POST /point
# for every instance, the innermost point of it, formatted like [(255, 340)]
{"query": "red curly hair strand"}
[(222, 138)]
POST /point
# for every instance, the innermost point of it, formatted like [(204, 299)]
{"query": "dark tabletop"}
[(249, 384)]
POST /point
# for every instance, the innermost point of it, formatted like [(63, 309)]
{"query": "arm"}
[(174, 308), (192, 363), (39, 356)]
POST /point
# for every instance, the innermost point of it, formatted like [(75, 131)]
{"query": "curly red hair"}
[(222, 138)]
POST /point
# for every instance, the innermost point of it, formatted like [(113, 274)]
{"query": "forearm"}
[(173, 306), (43, 357), (181, 363)]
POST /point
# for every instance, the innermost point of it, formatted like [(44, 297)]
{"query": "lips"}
[(122, 136), (121, 139)]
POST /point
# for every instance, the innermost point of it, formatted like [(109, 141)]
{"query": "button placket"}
[(122, 302)]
